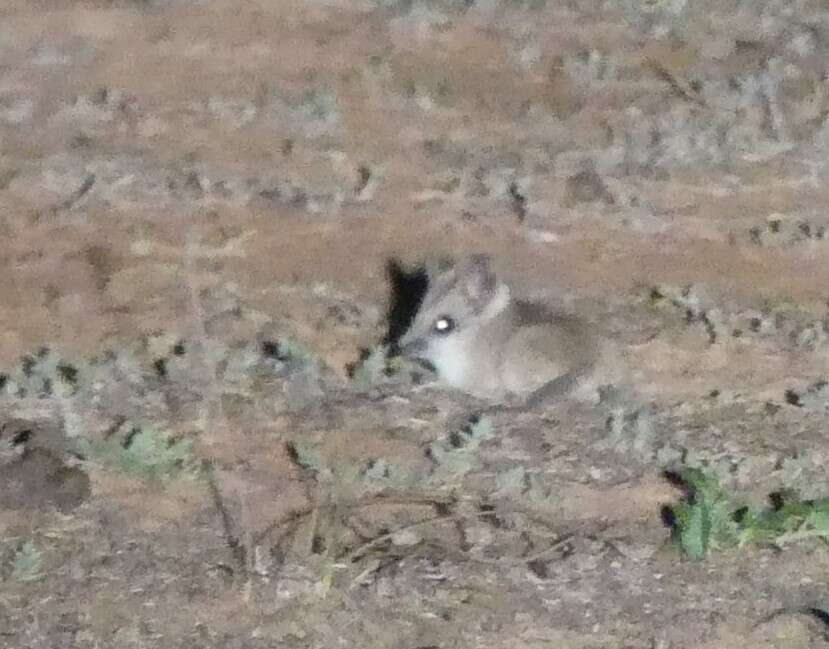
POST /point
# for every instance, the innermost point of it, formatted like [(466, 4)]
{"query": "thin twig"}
[(383, 538), (236, 548), (77, 195), (212, 401)]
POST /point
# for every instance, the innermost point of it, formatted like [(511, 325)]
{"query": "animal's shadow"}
[(406, 291)]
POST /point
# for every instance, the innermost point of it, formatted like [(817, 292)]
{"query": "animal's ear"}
[(438, 267), (478, 280), (432, 270)]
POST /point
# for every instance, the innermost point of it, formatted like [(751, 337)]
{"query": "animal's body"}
[(483, 342)]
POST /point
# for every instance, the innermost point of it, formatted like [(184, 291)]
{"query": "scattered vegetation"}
[(348, 475), (456, 454), (27, 563), (41, 374), (374, 365), (146, 452), (711, 519), (379, 366), (287, 351)]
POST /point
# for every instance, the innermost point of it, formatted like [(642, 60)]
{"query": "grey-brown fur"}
[(496, 347)]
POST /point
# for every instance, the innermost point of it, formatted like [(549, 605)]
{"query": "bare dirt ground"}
[(198, 200)]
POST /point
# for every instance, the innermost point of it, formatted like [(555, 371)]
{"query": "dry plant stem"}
[(316, 510), (538, 556), (68, 203), (291, 521), (451, 518), (817, 613), (212, 401), (314, 524), (435, 500), (236, 548)]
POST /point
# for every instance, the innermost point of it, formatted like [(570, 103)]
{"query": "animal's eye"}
[(444, 325)]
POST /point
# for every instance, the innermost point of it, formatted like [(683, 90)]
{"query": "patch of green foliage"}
[(373, 367), (307, 455), (377, 368), (456, 454), (43, 374), (320, 104), (705, 520), (288, 354), (516, 482), (350, 474), (788, 521), (147, 453), (27, 563), (710, 518), (291, 351)]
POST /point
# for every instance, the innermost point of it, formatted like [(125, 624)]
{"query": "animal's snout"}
[(413, 348)]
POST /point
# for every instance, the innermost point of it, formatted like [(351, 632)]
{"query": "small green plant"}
[(456, 454), (373, 367), (320, 104), (27, 563), (42, 373), (788, 521), (147, 453), (711, 519), (705, 520), (289, 352), (350, 474)]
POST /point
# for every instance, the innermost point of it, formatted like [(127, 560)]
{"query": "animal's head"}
[(458, 301)]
